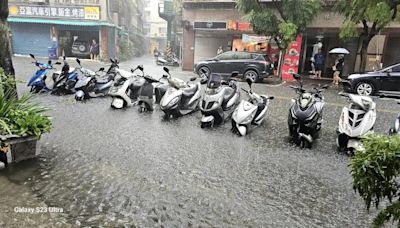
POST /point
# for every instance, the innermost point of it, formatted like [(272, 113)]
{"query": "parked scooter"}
[(111, 72), (396, 129), (65, 80), (38, 80), (89, 86), (181, 97), (124, 90), (305, 114), (146, 94), (162, 60), (356, 121), (219, 100), (250, 113)]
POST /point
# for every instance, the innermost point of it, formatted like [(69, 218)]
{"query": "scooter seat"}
[(187, 92)]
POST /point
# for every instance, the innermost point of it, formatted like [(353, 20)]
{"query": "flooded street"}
[(116, 168)]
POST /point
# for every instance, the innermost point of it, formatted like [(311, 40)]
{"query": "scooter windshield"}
[(214, 81)]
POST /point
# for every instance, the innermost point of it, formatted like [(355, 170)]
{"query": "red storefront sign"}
[(244, 26), (291, 60)]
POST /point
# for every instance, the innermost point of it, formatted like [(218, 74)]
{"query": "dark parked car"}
[(251, 65), (381, 82), (81, 48)]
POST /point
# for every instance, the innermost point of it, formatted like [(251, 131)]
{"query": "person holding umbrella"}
[(338, 69), (339, 63)]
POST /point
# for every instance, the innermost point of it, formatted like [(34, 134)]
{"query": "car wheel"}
[(204, 71), (252, 75), (365, 89)]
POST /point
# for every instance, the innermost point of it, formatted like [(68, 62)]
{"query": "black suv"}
[(255, 66), (81, 48)]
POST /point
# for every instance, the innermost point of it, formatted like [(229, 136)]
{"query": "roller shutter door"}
[(30, 38)]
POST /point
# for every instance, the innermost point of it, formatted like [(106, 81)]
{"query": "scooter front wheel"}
[(305, 144), (205, 124)]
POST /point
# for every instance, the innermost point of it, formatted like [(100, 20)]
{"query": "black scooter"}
[(305, 114), (64, 81)]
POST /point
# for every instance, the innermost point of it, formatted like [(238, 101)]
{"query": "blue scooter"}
[(38, 80), (65, 80)]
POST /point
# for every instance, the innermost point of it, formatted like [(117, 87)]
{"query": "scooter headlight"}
[(173, 101)]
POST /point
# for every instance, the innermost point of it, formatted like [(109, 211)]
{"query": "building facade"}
[(210, 24), (155, 27), (69, 26)]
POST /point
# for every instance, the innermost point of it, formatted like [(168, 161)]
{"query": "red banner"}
[(290, 63), (244, 26)]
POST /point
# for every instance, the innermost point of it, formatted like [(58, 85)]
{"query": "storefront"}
[(71, 30)]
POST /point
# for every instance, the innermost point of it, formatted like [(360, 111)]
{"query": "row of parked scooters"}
[(219, 102)]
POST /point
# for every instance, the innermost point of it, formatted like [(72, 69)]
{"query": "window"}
[(243, 55), (396, 69), (226, 56)]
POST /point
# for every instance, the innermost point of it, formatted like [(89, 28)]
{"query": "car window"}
[(225, 56), (396, 69), (243, 55)]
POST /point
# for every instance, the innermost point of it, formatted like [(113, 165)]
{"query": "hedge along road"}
[(109, 167)]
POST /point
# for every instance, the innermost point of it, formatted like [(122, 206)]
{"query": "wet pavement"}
[(116, 168)]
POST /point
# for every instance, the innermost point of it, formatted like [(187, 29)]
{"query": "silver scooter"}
[(250, 113), (181, 98), (396, 129), (90, 85), (123, 91), (219, 100)]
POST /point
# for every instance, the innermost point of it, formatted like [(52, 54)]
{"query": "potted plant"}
[(22, 122)]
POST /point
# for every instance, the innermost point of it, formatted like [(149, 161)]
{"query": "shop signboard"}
[(67, 12), (209, 25), (291, 60), (244, 26), (254, 39)]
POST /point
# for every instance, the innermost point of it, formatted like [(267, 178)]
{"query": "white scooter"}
[(396, 129), (181, 98), (121, 91), (219, 100), (250, 113), (355, 122)]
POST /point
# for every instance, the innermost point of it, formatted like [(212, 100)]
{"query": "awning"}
[(59, 22)]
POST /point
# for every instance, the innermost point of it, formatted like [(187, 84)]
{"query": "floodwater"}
[(116, 168)]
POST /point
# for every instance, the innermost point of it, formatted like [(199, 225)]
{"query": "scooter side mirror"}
[(49, 62), (101, 69), (140, 67), (166, 70), (165, 76), (58, 63), (78, 61), (32, 56), (249, 82), (271, 98), (112, 60), (193, 79)]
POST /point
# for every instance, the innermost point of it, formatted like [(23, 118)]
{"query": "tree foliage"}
[(372, 15), (375, 170), (282, 20)]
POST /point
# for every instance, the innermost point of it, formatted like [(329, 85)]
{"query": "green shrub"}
[(375, 171), (22, 116)]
